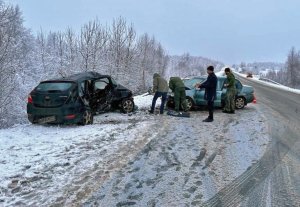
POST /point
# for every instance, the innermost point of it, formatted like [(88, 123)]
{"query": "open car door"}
[(102, 94)]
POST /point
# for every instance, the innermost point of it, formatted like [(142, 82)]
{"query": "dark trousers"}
[(163, 96), (210, 106)]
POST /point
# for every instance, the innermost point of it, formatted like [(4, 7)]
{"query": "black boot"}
[(208, 119)]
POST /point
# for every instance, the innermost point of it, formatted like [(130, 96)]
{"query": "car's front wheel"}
[(127, 105), (239, 103), (87, 117), (189, 104)]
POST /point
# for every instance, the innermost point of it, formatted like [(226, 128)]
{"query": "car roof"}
[(90, 75), (205, 76)]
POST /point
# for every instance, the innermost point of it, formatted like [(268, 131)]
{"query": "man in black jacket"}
[(210, 86)]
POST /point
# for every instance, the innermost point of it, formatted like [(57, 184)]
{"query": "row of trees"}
[(290, 75), (187, 66), (114, 50)]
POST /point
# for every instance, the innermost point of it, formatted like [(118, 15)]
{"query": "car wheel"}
[(170, 103), (31, 119), (127, 105), (87, 118), (189, 104), (239, 103)]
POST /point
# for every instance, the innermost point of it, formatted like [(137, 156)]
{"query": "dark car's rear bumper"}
[(65, 114)]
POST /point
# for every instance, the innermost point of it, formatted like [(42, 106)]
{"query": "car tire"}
[(240, 103), (127, 106), (87, 117), (170, 103), (189, 103)]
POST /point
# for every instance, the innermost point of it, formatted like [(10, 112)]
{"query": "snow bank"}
[(144, 101)]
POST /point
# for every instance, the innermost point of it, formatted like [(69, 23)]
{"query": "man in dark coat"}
[(210, 86), (178, 87)]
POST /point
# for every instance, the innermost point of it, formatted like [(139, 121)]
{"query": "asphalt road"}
[(275, 179)]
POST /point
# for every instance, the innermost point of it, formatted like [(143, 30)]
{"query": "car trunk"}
[(247, 89)]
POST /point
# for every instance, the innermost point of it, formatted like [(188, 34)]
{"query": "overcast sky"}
[(230, 31)]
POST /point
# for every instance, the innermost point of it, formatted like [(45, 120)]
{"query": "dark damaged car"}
[(77, 98)]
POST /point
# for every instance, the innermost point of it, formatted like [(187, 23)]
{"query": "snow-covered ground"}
[(135, 158), (170, 171)]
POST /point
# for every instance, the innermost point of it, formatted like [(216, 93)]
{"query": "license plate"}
[(47, 119)]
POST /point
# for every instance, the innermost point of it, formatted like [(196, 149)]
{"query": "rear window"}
[(238, 85), (54, 86)]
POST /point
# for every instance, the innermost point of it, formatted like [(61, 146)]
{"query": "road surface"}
[(275, 179)]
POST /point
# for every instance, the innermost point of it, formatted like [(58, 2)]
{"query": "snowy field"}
[(137, 159)]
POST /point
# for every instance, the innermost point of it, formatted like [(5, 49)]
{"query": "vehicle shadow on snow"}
[(105, 118)]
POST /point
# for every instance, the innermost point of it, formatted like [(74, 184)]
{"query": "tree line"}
[(187, 66), (290, 74), (287, 73), (114, 50)]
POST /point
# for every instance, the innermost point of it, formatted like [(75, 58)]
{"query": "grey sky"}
[(230, 31)]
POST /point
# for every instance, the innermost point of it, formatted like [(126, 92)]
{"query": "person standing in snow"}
[(178, 87), (160, 89), (230, 93), (210, 86)]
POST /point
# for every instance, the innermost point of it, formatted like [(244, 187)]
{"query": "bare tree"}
[(293, 68), (117, 41), (8, 24), (130, 46), (10, 20), (144, 47), (92, 40), (151, 58), (14, 47), (71, 53)]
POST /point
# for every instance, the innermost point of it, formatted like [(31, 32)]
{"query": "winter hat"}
[(155, 75), (211, 68), (227, 70)]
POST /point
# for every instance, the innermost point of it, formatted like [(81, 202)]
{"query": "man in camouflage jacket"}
[(230, 93), (178, 87)]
